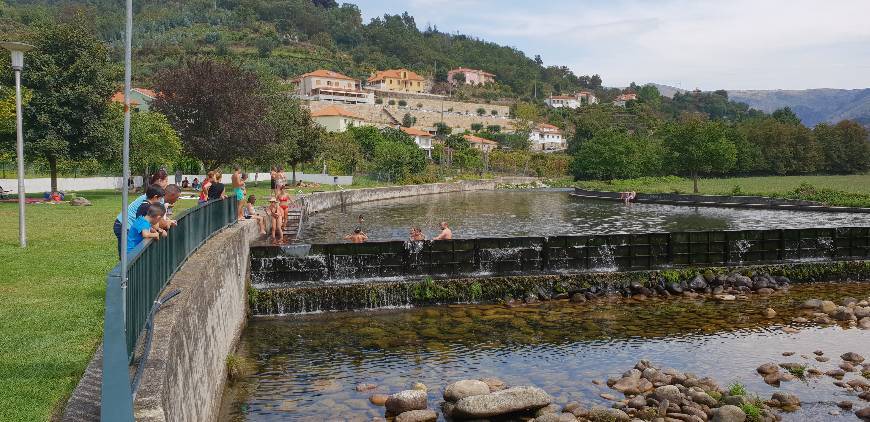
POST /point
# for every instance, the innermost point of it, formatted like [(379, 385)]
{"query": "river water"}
[(506, 213), (307, 366)]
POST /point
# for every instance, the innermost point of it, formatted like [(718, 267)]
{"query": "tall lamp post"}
[(17, 49)]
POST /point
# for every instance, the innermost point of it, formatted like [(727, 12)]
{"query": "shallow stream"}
[(307, 366)]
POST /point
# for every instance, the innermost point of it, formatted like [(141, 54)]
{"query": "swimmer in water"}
[(357, 236), (446, 233)]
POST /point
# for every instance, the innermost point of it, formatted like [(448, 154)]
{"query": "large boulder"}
[(699, 283), (728, 413), (406, 401), (785, 400), (812, 304), (827, 306), (424, 415), (465, 388), (511, 400), (80, 202), (632, 385), (852, 357), (768, 368), (863, 414)]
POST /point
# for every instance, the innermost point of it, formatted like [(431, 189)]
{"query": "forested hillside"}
[(813, 106), (290, 37)]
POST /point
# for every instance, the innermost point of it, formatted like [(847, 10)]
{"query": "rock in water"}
[(863, 414), (768, 368), (494, 384), (502, 402), (424, 415), (465, 388), (827, 306), (699, 283), (378, 399), (852, 357), (812, 304), (556, 417), (728, 413), (786, 400), (405, 401)]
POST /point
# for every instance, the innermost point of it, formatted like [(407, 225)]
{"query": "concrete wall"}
[(193, 333), (325, 200)]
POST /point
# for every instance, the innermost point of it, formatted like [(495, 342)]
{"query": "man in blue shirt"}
[(144, 227), (151, 192)]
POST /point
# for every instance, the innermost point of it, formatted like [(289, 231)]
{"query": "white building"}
[(572, 101), (546, 137), (422, 138), (336, 119), (326, 85)]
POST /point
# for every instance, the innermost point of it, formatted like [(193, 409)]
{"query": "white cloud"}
[(735, 44)]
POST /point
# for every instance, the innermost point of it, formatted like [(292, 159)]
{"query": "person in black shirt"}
[(216, 190)]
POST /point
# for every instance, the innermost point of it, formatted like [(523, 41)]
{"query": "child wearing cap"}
[(277, 218)]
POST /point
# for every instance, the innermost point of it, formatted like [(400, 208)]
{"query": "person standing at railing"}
[(216, 189), (206, 184), (238, 189), (153, 191), (146, 226), (172, 192)]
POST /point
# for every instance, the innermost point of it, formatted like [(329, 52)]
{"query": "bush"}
[(379, 100), (476, 127), (391, 102), (481, 111), (419, 105), (494, 112), (402, 103), (493, 128)]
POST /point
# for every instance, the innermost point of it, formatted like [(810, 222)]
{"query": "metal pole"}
[(126, 153), (19, 131)]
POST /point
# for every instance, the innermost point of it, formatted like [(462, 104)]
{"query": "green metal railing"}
[(150, 268)]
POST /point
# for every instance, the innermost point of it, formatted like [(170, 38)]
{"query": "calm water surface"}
[(547, 213), (307, 366)]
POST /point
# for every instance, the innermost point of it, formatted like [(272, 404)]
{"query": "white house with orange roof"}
[(472, 76), (576, 100), (624, 98), (546, 137), (483, 144), (140, 98), (422, 138), (400, 80), (327, 85), (336, 119)]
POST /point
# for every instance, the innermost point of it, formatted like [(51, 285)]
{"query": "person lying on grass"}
[(146, 226)]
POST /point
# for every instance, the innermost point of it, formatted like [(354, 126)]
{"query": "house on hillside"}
[(482, 144), (422, 138), (472, 76), (546, 137), (572, 101), (140, 99), (624, 98), (326, 85), (399, 80), (336, 119)]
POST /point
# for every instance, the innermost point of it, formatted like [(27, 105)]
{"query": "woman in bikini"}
[(284, 201)]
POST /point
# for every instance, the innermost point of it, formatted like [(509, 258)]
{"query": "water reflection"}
[(547, 213), (308, 365)]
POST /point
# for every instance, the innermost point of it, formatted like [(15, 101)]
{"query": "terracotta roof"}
[(586, 93), (146, 92), (396, 74), (119, 98), (334, 111), (478, 140), (465, 69), (547, 126), (627, 97), (415, 132), (323, 73)]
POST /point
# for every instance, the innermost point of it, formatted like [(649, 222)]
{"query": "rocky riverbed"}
[(346, 366)]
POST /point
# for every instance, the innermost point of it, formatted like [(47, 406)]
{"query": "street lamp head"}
[(17, 49)]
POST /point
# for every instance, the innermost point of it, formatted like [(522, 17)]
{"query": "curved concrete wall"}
[(321, 201), (194, 332)]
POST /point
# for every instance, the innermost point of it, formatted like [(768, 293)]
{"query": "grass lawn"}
[(51, 318), (848, 190)]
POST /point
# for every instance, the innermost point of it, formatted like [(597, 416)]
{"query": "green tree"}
[(612, 154), (697, 146), (845, 145), (408, 120), (153, 141), (481, 111), (459, 78), (341, 152), (296, 137), (70, 78)]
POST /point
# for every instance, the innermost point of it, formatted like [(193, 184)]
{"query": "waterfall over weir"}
[(321, 277)]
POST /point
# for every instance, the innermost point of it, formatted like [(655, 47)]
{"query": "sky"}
[(705, 44)]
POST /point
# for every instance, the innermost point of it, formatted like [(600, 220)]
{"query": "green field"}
[(848, 190), (51, 317)]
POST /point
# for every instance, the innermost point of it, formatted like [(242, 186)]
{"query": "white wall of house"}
[(546, 140), (337, 123)]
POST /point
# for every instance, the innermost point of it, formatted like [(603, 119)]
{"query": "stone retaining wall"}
[(194, 332)]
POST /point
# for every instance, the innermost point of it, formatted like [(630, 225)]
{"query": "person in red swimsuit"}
[(284, 201)]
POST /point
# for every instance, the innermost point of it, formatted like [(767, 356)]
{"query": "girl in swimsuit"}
[(203, 194), (283, 202)]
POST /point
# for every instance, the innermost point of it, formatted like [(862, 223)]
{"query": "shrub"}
[(493, 128), (753, 413), (476, 127), (481, 111), (494, 112), (419, 105), (379, 100), (736, 389), (402, 103), (391, 102)]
